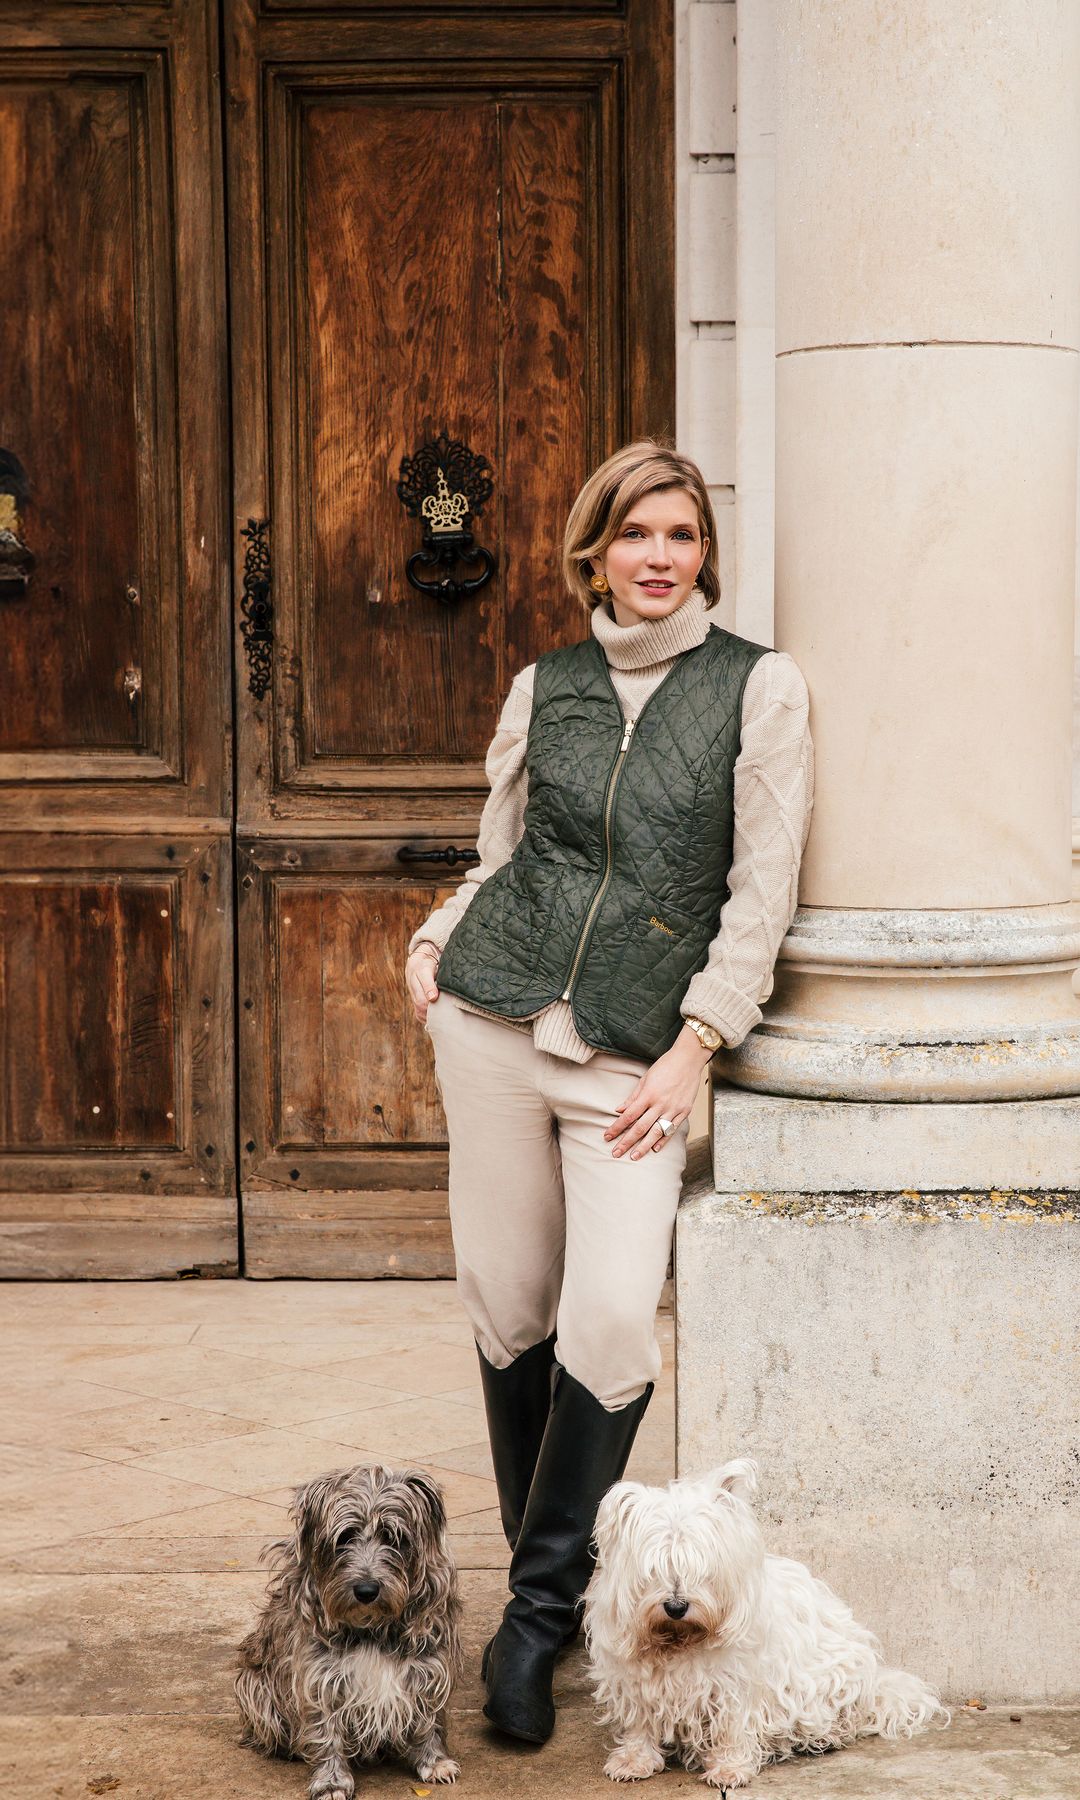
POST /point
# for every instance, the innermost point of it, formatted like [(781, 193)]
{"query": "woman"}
[(639, 853)]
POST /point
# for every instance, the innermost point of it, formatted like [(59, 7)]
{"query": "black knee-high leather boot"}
[(517, 1401), (585, 1450)]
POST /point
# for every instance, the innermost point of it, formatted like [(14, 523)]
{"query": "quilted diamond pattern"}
[(659, 870)]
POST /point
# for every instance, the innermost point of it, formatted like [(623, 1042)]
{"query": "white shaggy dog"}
[(703, 1643)]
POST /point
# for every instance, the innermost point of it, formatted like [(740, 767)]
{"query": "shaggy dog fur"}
[(703, 1644), (356, 1649)]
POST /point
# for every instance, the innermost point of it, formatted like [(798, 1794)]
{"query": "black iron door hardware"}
[(256, 606), (444, 483), (16, 560), (451, 855)]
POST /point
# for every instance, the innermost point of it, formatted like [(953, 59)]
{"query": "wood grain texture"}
[(399, 335), (68, 410), (93, 1237), (116, 1021), (550, 269), (297, 929), (88, 978), (112, 337), (349, 1068), (348, 1236)]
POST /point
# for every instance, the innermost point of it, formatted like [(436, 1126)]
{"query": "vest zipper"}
[(609, 802)]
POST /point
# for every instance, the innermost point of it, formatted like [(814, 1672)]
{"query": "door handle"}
[(451, 855)]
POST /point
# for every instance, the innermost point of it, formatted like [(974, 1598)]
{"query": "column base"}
[(920, 1006), (902, 1367)]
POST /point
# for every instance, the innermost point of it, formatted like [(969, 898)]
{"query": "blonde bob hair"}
[(647, 467)]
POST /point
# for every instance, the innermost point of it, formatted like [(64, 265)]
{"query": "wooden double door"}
[(253, 256)]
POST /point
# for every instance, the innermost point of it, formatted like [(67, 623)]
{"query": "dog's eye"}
[(347, 1537)]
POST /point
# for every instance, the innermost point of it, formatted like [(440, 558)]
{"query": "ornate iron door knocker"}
[(256, 606), (444, 483), (16, 559)]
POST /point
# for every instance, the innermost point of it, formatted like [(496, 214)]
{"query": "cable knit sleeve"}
[(774, 792), (502, 820)]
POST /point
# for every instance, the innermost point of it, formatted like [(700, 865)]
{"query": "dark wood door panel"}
[(116, 1020), (340, 1106), (398, 324), (74, 644), (561, 265), (447, 272), (112, 342), (87, 1007)]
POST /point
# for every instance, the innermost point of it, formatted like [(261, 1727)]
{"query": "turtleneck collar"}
[(650, 641)]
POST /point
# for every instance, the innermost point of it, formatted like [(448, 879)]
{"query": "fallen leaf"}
[(103, 1784), (422, 1792)]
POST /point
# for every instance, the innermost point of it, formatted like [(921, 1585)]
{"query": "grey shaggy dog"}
[(357, 1647)]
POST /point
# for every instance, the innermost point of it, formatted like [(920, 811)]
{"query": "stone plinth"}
[(904, 1367)]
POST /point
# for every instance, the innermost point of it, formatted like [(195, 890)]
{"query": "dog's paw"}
[(332, 1787), (633, 1762), (725, 1775), (443, 1768)]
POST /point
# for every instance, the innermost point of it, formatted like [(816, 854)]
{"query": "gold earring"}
[(600, 583)]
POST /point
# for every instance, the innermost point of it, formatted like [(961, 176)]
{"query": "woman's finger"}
[(420, 979), (633, 1094), (657, 1139), (629, 1110), (419, 997), (633, 1133)]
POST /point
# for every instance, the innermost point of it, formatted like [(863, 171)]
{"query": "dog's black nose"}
[(676, 1609), (366, 1590)]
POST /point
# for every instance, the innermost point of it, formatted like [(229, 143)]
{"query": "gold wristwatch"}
[(711, 1039)]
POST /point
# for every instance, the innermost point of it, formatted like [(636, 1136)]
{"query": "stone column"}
[(910, 1092), (928, 288)]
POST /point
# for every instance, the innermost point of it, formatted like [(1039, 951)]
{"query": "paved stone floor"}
[(150, 1435)]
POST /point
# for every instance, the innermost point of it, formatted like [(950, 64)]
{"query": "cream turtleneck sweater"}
[(774, 777)]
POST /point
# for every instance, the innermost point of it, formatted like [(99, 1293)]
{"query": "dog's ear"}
[(299, 1579), (430, 1494), (308, 1511), (738, 1478), (615, 1512)]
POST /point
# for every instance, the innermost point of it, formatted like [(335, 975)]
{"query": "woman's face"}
[(653, 560)]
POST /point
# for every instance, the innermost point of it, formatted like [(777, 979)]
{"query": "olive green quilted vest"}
[(613, 894)]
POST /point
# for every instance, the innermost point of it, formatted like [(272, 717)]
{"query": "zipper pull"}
[(626, 735)]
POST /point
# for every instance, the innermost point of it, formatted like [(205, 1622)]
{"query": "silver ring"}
[(667, 1126)]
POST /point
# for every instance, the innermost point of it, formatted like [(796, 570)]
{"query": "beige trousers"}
[(551, 1231)]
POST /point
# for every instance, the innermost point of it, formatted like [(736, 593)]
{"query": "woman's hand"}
[(420, 981), (667, 1090)]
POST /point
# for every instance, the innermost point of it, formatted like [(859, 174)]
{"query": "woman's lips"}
[(660, 586)]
